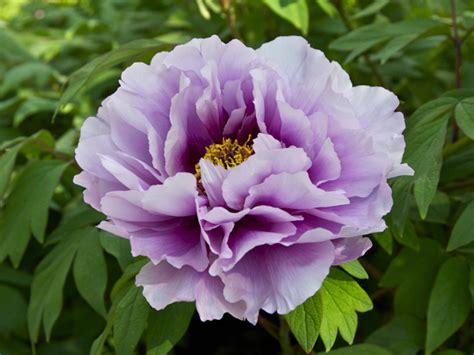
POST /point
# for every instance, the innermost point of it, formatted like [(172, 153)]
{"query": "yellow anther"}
[(227, 154)]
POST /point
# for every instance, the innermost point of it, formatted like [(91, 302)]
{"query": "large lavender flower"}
[(242, 174)]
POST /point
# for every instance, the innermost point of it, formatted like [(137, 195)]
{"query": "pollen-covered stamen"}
[(227, 154)]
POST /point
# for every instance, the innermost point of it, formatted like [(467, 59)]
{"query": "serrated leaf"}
[(294, 11), (464, 114), (341, 298), (90, 271), (166, 327), (305, 322), (450, 302), (27, 206), (462, 232), (130, 321), (355, 269), (403, 335), (128, 52), (361, 349)]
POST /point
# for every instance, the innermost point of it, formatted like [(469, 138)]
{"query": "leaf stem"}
[(457, 60), (230, 18)]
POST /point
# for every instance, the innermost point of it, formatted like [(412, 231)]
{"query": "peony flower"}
[(243, 175)]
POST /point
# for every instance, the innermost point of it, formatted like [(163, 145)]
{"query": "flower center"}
[(227, 154)]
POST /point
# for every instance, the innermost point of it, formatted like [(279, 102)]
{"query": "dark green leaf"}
[(450, 302), (26, 210), (12, 309), (118, 247), (130, 321), (464, 114), (403, 335), (385, 240), (373, 8), (167, 327), (463, 232)]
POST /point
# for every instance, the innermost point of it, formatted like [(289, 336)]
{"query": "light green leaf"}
[(462, 232), (464, 114), (305, 322), (341, 297), (361, 349), (425, 136), (167, 327), (294, 11), (327, 7), (403, 335), (90, 271), (373, 8), (128, 52), (26, 210), (130, 321), (355, 269), (450, 302)]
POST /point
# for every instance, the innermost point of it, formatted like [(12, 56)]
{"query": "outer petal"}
[(348, 249), (164, 284), (286, 277)]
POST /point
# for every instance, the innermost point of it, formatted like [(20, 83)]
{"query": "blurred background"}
[(403, 45)]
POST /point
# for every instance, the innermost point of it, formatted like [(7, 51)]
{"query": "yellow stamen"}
[(227, 154)]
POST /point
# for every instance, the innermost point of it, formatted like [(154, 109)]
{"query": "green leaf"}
[(7, 162), (118, 247), (47, 289), (464, 114), (167, 327), (385, 240), (14, 276), (341, 297), (355, 269), (90, 271), (305, 321), (12, 308), (425, 136), (31, 106), (294, 11), (403, 335), (130, 321), (373, 8), (462, 232), (399, 34), (11, 49), (450, 302), (413, 273), (26, 210), (327, 7), (361, 349), (128, 52), (30, 71), (408, 237)]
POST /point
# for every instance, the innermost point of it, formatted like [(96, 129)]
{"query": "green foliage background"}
[(67, 288)]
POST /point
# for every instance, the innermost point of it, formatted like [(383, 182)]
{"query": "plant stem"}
[(269, 327), (347, 22), (457, 61), (230, 18), (284, 337)]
